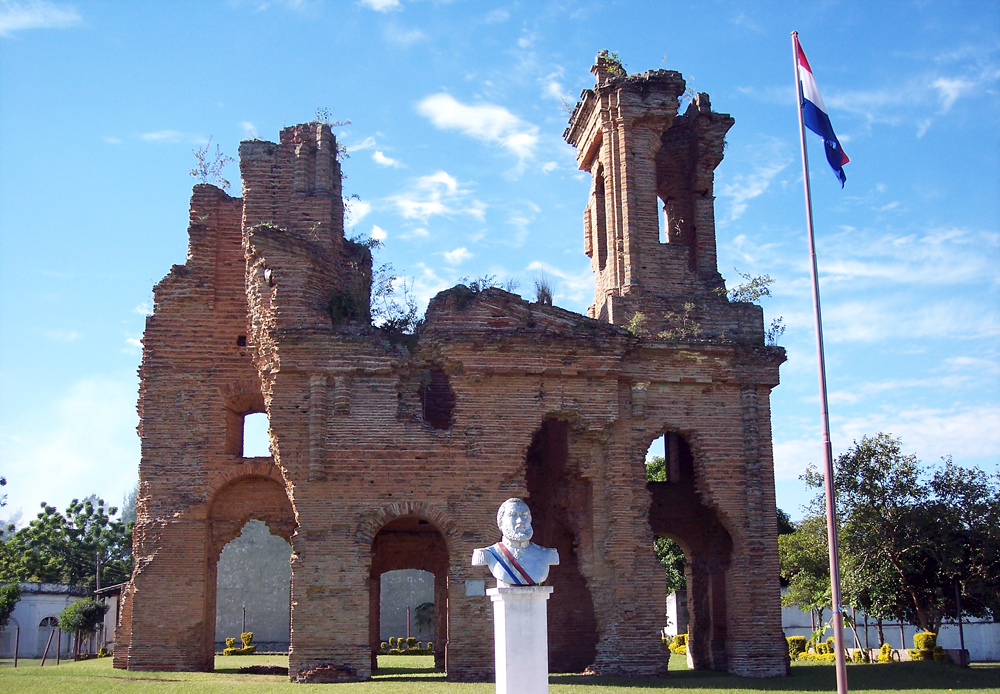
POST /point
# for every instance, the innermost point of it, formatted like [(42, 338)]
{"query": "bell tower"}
[(646, 161)]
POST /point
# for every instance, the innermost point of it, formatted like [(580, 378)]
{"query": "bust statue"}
[(515, 560)]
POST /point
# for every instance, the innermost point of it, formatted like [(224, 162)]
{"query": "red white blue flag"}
[(816, 118)]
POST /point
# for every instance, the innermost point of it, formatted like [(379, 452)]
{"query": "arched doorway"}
[(252, 589), (560, 500), (677, 512), (251, 497), (410, 542)]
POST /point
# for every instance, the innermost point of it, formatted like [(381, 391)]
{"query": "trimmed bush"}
[(939, 654), (411, 641), (383, 647), (392, 642), (248, 649), (885, 653), (430, 646), (796, 645), (823, 649), (925, 641)]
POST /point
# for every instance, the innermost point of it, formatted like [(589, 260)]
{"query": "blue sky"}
[(456, 151)]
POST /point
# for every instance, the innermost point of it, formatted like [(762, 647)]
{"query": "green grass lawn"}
[(406, 674)]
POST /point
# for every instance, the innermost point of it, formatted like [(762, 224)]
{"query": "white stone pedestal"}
[(521, 641)]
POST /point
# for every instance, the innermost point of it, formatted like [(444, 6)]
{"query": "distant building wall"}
[(254, 573), (404, 589), (39, 601)]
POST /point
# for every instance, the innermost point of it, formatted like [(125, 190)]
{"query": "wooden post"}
[(17, 642), (46, 651)]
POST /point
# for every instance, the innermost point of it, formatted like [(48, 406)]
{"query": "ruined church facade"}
[(393, 451)]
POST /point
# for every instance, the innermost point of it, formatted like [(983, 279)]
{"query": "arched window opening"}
[(600, 219), (406, 606), (668, 459), (252, 589), (661, 221), (256, 435)]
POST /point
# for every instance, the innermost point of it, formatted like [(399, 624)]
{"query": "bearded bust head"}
[(514, 521)]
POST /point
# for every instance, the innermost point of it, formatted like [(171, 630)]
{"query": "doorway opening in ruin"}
[(251, 522), (253, 581), (405, 553), (689, 526), (560, 501)]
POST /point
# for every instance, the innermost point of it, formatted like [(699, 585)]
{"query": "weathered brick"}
[(394, 454)]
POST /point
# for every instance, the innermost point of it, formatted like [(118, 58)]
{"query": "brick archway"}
[(410, 542), (677, 511), (236, 499)]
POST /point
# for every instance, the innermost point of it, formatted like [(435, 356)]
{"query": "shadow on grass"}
[(815, 678), (407, 668)]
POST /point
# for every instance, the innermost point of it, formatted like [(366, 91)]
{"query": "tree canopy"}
[(910, 535), (66, 548)]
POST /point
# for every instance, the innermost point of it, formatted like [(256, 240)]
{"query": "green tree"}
[(9, 595), (910, 535), (57, 548), (82, 615), (804, 563)]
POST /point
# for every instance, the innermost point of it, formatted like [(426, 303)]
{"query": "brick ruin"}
[(394, 452)]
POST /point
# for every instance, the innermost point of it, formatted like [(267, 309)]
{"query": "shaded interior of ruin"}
[(677, 511), (410, 542), (559, 499)]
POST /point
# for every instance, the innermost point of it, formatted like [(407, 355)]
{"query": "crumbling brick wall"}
[(494, 397)]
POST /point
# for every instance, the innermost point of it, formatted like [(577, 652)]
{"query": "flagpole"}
[(831, 513)]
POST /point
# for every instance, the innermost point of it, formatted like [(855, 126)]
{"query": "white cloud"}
[(401, 36), (248, 128), (887, 319), (969, 433), (950, 89), (357, 210), (745, 187), (134, 342), (112, 140), (63, 335), (459, 255), (36, 14), (378, 233), (381, 5), (143, 309), (364, 144), (497, 16), (577, 288), (436, 194), (549, 166), (489, 123), (417, 233), (85, 442), (383, 160), (162, 136)]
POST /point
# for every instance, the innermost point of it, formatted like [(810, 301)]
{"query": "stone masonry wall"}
[(423, 436)]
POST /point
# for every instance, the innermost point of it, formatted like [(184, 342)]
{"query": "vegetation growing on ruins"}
[(209, 167)]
